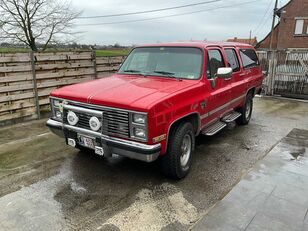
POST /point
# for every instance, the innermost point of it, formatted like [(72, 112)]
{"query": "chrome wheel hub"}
[(186, 150)]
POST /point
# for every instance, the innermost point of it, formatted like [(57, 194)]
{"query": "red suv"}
[(161, 98)]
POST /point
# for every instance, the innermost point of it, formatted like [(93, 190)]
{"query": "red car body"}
[(167, 100)]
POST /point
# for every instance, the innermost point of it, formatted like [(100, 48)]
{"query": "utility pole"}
[(273, 25), (250, 37), (271, 64)]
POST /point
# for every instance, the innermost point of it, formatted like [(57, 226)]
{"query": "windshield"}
[(175, 62)]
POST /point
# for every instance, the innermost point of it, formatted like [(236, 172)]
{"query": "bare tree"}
[(35, 22)]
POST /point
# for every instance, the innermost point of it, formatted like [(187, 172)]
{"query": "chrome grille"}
[(115, 122)]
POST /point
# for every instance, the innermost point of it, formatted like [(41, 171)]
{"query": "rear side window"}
[(249, 58), (232, 59), (214, 61)]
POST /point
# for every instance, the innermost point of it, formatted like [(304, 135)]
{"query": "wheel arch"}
[(193, 117)]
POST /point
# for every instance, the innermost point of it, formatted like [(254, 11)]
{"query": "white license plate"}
[(87, 142)]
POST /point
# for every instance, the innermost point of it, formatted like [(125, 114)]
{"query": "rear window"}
[(249, 58)]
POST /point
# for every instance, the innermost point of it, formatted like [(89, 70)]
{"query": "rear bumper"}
[(131, 149)]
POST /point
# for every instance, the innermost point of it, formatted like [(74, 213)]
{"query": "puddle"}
[(296, 154)]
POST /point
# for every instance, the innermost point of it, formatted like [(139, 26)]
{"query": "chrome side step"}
[(231, 117), (214, 128)]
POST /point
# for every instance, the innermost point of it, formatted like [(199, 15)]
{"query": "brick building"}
[(291, 32)]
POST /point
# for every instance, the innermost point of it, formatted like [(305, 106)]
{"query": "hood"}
[(123, 91)]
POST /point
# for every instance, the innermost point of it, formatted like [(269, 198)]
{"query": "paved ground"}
[(45, 185), (273, 196)]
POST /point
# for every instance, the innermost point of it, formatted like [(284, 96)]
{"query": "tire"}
[(246, 110), (176, 163)]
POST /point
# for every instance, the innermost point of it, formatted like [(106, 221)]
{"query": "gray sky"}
[(215, 25)]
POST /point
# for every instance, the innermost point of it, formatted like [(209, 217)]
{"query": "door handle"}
[(243, 74)]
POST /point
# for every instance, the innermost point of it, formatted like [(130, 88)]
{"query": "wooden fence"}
[(287, 72), (26, 79)]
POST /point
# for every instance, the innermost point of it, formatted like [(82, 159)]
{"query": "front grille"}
[(114, 122)]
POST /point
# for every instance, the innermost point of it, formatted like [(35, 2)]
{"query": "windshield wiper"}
[(133, 71), (165, 73), (168, 74)]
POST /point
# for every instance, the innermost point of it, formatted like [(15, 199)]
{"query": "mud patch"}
[(159, 211)]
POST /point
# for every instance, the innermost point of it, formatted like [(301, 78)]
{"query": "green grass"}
[(13, 50), (99, 53)]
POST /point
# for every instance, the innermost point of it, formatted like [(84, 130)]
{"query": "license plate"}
[(87, 142)]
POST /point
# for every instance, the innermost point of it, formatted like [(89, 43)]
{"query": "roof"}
[(198, 44), (281, 8), (251, 41)]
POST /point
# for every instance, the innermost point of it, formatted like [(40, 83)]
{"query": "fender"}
[(182, 117)]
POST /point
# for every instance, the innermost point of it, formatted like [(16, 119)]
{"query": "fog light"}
[(94, 123), (72, 118), (139, 132)]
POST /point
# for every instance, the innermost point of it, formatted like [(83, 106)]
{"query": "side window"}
[(249, 58), (214, 61), (232, 59)]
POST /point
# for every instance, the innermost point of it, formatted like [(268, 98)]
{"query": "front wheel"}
[(177, 161), (246, 111)]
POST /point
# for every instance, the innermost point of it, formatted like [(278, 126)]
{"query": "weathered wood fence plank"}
[(25, 86)]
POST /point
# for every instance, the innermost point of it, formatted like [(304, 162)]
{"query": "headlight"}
[(140, 133), (72, 118), (94, 123), (58, 114), (139, 118), (56, 102), (56, 109)]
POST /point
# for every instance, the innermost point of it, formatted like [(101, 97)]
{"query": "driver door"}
[(220, 90)]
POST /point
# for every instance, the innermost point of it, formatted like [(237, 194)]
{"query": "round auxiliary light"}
[(72, 118), (94, 123)]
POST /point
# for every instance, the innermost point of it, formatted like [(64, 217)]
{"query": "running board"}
[(214, 128), (231, 117)]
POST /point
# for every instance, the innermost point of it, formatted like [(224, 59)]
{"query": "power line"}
[(263, 17), (149, 11), (168, 16)]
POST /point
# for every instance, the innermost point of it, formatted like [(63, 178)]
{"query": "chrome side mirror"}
[(224, 72)]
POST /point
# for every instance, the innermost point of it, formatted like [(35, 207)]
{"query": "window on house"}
[(299, 26)]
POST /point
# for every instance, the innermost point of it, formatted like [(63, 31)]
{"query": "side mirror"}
[(224, 72)]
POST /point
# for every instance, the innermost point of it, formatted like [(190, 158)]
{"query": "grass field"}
[(99, 53)]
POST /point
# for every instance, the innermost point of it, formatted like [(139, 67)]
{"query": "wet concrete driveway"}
[(46, 185)]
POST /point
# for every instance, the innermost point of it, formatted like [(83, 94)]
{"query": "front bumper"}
[(131, 149)]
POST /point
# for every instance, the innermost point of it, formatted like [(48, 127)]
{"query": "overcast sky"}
[(215, 23)]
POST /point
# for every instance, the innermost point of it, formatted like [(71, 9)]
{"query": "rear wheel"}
[(176, 163), (246, 110)]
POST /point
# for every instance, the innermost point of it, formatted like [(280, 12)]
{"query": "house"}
[(291, 32), (250, 41)]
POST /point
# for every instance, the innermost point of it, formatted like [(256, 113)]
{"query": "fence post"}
[(94, 63), (272, 70), (35, 85)]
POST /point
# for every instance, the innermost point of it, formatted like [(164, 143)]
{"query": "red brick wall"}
[(265, 44), (284, 33), (286, 38)]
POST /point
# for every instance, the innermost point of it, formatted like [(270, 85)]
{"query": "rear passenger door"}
[(238, 81)]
